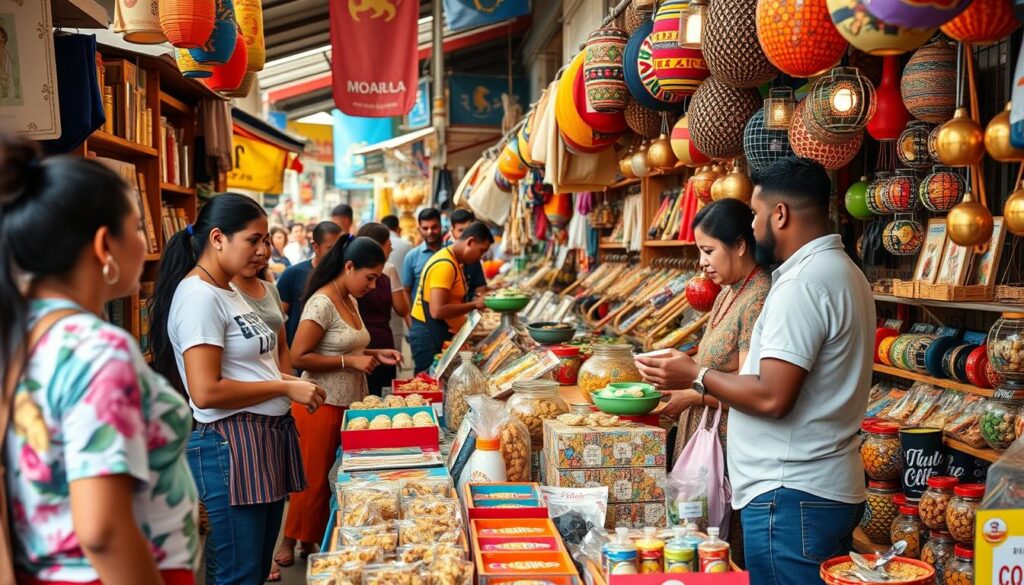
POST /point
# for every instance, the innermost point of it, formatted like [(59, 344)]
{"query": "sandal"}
[(285, 561), (274, 576)]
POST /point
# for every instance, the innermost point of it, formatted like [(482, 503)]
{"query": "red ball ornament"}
[(701, 293), (891, 115), (798, 36), (984, 21), (229, 76)]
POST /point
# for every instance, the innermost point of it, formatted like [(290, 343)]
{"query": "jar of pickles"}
[(534, 402), (938, 552), (960, 571), (935, 500), (879, 510), (998, 423), (880, 452), (609, 363), (907, 526), (962, 509)]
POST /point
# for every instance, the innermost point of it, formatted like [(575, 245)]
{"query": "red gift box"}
[(423, 437)]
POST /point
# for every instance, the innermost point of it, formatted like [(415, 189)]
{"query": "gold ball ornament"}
[(716, 189), (1013, 212), (639, 163), (969, 224), (735, 185), (997, 138), (660, 155), (702, 181), (626, 165), (960, 142)]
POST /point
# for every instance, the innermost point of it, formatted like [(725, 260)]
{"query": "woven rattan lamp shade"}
[(840, 103), (942, 189), (730, 44), (718, 115), (831, 156), (903, 237), (928, 86), (762, 146)]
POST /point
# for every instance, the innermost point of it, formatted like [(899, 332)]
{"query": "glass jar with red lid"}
[(936, 499), (880, 451), (938, 552), (962, 509), (908, 527), (880, 510), (960, 571), (569, 363)]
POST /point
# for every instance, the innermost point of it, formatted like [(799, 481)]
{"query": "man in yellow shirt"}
[(438, 308)]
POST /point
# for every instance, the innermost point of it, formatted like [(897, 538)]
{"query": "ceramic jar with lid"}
[(962, 509), (533, 402), (935, 500), (879, 510), (998, 422), (880, 452), (609, 363), (907, 526), (569, 363), (960, 571), (938, 552)]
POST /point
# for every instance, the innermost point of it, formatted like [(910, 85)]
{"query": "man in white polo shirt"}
[(799, 399)]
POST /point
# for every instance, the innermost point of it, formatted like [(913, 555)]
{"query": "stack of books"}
[(125, 101), (175, 158)]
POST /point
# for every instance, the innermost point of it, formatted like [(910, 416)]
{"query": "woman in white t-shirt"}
[(243, 450)]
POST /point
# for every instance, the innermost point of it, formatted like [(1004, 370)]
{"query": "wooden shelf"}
[(171, 104), (941, 382), (987, 454), (668, 244), (611, 246), (79, 14), (970, 306), (863, 545), (623, 183), (152, 257), (177, 189), (105, 143)]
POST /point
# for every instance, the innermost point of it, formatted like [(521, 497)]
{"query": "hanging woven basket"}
[(798, 36), (633, 19), (928, 86), (984, 21), (762, 146), (730, 44), (718, 114), (187, 24), (872, 35), (831, 156), (603, 75), (644, 121)]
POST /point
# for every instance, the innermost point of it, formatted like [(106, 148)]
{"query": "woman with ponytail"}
[(243, 450), (330, 348), (96, 475)]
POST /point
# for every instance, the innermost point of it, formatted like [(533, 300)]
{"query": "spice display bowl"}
[(551, 333), (918, 572), (507, 304), (607, 402)]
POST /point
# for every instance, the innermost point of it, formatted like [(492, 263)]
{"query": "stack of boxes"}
[(629, 459)]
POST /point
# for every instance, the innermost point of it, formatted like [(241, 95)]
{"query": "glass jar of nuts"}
[(533, 402), (907, 526), (880, 452), (879, 510), (935, 500), (465, 381), (1006, 347), (938, 552), (609, 363), (960, 571), (962, 509), (998, 423)]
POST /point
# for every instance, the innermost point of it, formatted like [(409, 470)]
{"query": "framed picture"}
[(930, 260), (955, 261), (988, 263), (28, 71)]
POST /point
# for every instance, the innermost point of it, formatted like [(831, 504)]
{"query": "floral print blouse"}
[(88, 406)]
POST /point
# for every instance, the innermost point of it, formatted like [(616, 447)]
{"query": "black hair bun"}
[(19, 159)]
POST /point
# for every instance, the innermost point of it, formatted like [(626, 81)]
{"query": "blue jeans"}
[(423, 345), (788, 533), (240, 546)]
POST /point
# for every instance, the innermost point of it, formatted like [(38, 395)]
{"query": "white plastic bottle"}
[(486, 465)]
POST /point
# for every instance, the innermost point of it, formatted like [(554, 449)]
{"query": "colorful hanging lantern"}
[(660, 155), (249, 14), (221, 45), (610, 123), (875, 195), (245, 87), (871, 34), (691, 25), (730, 46), (138, 21), (702, 182), (982, 22), (603, 74), (928, 86), (576, 133), (916, 13), (856, 202), (798, 36), (187, 24), (831, 156), (736, 185), (841, 102), (641, 80), (997, 138), (717, 116), (903, 237), (189, 67), (678, 69), (902, 192), (762, 146), (912, 146), (683, 147), (941, 190), (933, 143), (891, 116), (960, 142), (228, 77), (778, 108)]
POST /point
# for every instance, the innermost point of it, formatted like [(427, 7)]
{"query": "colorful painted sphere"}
[(984, 21), (873, 35), (678, 69), (798, 36), (928, 86), (683, 147), (916, 13), (903, 237)]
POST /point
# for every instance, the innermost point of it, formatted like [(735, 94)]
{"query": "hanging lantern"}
[(960, 142), (730, 46), (245, 87), (997, 138), (762, 146), (941, 190), (187, 24), (510, 166), (660, 155), (682, 145), (982, 22), (830, 156), (856, 203), (969, 223), (933, 143), (702, 182), (678, 70), (716, 189), (189, 67), (606, 125), (875, 195), (798, 36), (912, 145), (641, 80), (841, 102), (736, 185), (138, 21), (928, 86), (891, 116), (228, 77), (901, 192), (603, 74), (929, 14), (578, 136), (639, 162), (717, 116), (221, 45), (691, 25), (903, 237), (778, 108), (626, 164), (871, 34), (1013, 212), (249, 14), (642, 120)]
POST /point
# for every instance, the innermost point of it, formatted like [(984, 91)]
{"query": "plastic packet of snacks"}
[(428, 553), (428, 486), (320, 562), (359, 513), (383, 535), (906, 406), (950, 405), (383, 494), (347, 574), (430, 530), (965, 426), (429, 506), (931, 400), (394, 574), (449, 570)]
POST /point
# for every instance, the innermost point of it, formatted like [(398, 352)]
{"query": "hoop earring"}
[(111, 266)]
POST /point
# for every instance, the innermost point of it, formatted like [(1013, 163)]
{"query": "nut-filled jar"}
[(938, 552), (907, 526), (609, 363), (935, 500), (960, 570), (962, 509), (1006, 346), (879, 510), (533, 402), (880, 451), (998, 423)]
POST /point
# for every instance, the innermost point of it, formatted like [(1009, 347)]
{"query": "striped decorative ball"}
[(678, 69), (798, 36), (221, 45), (831, 156), (683, 147), (641, 80), (916, 13), (718, 115), (603, 74), (730, 44), (928, 86), (762, 146), (984, 21)]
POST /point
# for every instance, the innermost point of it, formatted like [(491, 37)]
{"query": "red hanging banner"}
[(374, 54)]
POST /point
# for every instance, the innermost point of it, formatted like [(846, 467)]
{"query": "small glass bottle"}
[(938, 552), (681, 552), (651, 552), (907, 526), (960, 571), (713, 553), (961, 511), (935, 500), (620, 555)]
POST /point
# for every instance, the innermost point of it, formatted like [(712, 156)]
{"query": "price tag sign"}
[(999, 547)]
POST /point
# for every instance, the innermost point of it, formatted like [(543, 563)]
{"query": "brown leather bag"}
[(6, 405)]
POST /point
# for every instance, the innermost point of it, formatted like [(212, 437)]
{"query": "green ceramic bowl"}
[(550, 336), (506, 304), (625, 405)]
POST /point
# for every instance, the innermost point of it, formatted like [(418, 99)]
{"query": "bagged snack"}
[(321, 562), (928, 403), (429, 486), (575, 512), (359, 513), (687, 494), (950, 405), (428, 553), (394, 574), (429, 506), (449, 570), (383, 495), (882, 395), (430, 530), (383, 535), (350, 573), (966, 426), (515, 449), (885, 406), (902, 410)]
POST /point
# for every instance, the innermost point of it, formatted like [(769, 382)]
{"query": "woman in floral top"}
[(93, 428)]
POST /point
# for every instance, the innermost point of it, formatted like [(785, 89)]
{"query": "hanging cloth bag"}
[(703, 457)]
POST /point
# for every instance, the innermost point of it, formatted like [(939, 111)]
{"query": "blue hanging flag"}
[(463, 14)]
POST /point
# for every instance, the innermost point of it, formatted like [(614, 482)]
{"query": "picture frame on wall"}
[(955, 261), (988, 263), (28, 71), (929, 262)]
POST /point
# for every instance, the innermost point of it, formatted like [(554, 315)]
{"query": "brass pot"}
[(735, 185), (997, 138), (1013, 212), (660, 155), (969, 224), (960, 142)]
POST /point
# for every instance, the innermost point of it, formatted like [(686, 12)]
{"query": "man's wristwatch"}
[(698, 382)]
